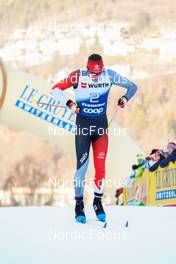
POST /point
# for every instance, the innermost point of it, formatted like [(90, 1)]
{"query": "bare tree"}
[(26, 173)]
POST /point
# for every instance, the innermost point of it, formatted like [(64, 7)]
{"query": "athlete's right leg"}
[(82, 143)]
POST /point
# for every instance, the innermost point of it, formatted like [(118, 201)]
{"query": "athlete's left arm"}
[(117, 79)]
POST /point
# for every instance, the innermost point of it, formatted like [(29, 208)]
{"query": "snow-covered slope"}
[(49, 235)]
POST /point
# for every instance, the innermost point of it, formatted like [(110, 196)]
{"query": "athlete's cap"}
[(95, 64)]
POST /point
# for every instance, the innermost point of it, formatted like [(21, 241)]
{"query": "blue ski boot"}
[(79, 210)]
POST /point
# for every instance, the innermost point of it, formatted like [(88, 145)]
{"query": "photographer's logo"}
[(101, 155)]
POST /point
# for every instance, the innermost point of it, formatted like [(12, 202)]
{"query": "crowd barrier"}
[(153, 188)]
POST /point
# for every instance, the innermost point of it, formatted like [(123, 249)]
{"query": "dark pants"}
[(90, 131)]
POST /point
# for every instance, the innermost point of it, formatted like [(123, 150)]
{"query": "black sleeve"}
[(134, 167), (170, 158), (173, 156)]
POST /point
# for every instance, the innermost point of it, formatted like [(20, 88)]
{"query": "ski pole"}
[(56, 105), (36, 102), (114, 115)]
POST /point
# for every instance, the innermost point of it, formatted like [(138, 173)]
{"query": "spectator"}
[(152, 158), (137, 170), (140, 160), (171, 148), (119, 191), (139, 167), (156, 156)]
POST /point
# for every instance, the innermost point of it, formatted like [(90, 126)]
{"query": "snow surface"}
[(44, 235)]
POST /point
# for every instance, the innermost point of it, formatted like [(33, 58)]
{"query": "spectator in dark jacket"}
[(171, 148)]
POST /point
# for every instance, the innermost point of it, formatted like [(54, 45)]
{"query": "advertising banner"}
[(19, 93), (137, 193), (153, 188), (162, 186)]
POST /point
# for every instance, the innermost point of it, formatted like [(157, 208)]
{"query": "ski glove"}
[(73, 106), (122, 102)]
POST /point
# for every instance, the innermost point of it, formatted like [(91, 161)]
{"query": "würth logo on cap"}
[(83, 85)]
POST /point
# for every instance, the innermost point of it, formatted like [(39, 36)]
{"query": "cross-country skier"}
[(91, 85)]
